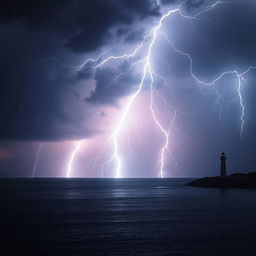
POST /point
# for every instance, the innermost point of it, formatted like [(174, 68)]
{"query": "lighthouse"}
[(223, 167)]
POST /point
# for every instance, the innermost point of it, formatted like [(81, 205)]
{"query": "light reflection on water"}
[(126, 217)]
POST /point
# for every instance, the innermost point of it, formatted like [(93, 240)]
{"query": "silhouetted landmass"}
[(237, 180)]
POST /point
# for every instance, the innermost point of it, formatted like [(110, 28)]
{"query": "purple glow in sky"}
[(154, 89)]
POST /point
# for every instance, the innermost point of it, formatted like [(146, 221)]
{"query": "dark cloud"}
[(189, 5), (112, 84), (86, 72), (122, 31), (167, 2), (31, 101), (194, 3), (34, 86), (135, 36), (32, 92), (98, 17), (85, 24), (32, 109)]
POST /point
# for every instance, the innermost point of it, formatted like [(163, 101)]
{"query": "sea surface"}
[(124, 217)]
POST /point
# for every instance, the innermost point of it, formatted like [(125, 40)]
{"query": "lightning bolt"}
[(37, 158), (148, 73), (164, 132), (147, 70), (238, 75), (72, 157)]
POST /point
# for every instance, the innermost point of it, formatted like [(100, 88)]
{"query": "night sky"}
[(63, 97)]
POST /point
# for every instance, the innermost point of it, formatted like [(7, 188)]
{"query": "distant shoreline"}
[(237, 180)]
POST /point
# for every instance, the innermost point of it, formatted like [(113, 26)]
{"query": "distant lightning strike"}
[(37, 158), (72, 157), (165, 133)]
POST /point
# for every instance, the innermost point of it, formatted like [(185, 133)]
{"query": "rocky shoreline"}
[(237, 180)]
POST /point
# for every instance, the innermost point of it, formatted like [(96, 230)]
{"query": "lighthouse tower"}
[(223, 167)]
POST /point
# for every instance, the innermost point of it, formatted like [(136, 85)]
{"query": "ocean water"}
[(124, 217)]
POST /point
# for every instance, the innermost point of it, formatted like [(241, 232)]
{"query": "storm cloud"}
[(35, 36), (49, 92)]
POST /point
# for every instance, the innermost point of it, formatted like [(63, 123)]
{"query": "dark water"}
[(124, 217)]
